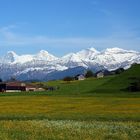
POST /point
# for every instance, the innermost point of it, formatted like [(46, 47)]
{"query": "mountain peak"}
[(10, 57), (44, 55), (88, 54), (118, 50), (11, 53), (92, 49), (43, 52), (115, 49)]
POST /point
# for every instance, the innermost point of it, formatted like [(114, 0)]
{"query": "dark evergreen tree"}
[(89, 73), (0, 80)]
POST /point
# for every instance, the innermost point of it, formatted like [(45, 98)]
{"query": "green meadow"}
[(93, 109)]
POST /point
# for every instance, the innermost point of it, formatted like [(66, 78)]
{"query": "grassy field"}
[(70, 108), (94, 109), (68, 130)]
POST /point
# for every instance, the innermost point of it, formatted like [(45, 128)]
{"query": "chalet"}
[(80, 77)]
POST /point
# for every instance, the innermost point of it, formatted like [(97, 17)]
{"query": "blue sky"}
[(63, 26)]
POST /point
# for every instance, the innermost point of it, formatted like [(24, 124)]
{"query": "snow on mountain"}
[(44, 63), (111, 58), (10, 57), (115, 57), (13, 58), (44, 55), (87, 54), (79, 59), (71, 60), (48, 69)]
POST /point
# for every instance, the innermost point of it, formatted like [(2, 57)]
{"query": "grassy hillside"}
[(93, 86), (78, 87), (121, 81)]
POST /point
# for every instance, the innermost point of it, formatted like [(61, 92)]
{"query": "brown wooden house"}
[(15, 86)]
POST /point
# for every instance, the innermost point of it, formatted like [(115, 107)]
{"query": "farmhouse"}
[(18, 86), (12, 87), (100, 75), (80, 77), (30, 87)]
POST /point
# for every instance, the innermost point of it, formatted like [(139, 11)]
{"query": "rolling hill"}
[(122, 81), (110, 84)]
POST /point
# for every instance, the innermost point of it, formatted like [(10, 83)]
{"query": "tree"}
[(134, 86), (119, 71), (0, 80), (89, 73)]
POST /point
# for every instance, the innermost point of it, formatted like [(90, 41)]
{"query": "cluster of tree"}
[(89, 74)]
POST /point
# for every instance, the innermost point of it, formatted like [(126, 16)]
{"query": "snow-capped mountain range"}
[(45, 66)]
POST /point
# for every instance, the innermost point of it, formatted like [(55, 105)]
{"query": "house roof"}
[(19, 84), (31, 86), (15, 83)]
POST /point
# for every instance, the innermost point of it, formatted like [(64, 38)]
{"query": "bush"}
[(134, 87)]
